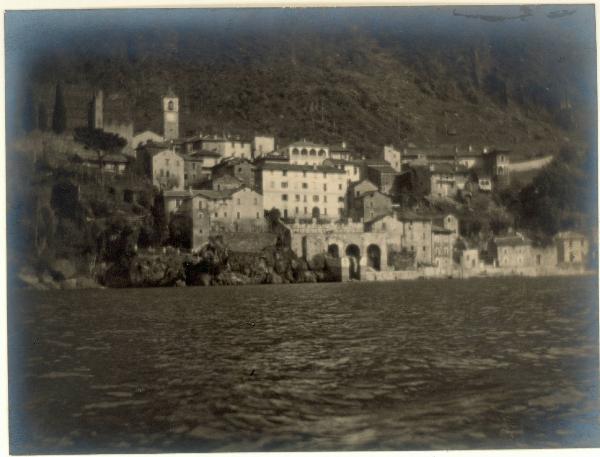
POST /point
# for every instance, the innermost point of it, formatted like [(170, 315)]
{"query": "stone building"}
[(382, 175), (170, 116), (442, 247), (199, 166), (168, 170), (417, 236), (239, 168), (368, 205), (302, 191), (447, 180), (572, 248), (351, 168), (469, 259), (226, 182), (340, 151)]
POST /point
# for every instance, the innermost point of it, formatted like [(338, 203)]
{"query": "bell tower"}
[(170, 116)]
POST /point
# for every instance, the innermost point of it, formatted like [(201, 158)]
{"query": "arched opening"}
[(316, 212), (353, 253), (304, 247), (334, 251), (321, 152), (304, 152), (295, 151), (313, 152), (374, 257)]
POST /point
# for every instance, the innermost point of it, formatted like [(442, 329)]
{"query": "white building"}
[(307, 153), (168, 170), (393, 157), (228, 147), (302, 191), (262, 145)]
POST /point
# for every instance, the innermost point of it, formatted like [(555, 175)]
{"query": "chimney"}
[(343, 145)]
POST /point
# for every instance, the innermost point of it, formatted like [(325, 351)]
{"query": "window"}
[(257, 216), (238, 215), (295, 151), (340, 199), (284, 197), (305, 185), (193, 166), (185, 176), (313, 152), (325, 211), (339, 186), (225, 214), (371, 213), (424, 248), (325, 187), (383, 227), (296, 210), (167, 162), (325, 198), (321, 152), (168, 173), (315, 198), (162, 172), (304, 199), (297, 197), (304, 174), (284, 172), (304, 152), (239, 202), (284, 185), (216, 214), (170, 105), (256, 201), (305, 210)]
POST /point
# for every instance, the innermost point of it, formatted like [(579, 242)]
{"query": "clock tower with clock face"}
[(170, 116)]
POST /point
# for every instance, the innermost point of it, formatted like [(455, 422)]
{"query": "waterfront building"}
[(572, 248), (512, 251), (368, 205), (469, 259), (442, 245), (417, 235), (302, 191), (168, 170)]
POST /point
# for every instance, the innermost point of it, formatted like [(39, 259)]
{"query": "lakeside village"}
[(332, 207)]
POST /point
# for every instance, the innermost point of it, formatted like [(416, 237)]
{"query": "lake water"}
[(437, 364)]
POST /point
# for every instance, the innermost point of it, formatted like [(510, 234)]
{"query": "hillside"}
[(370, 78)]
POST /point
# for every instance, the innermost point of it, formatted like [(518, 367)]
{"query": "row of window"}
[(167, 162), (238, 216), (238, 202), (304, 173), (312, 152), (285, 185)]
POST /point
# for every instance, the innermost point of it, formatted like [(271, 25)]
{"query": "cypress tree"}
[(59, 116), (42, 117)]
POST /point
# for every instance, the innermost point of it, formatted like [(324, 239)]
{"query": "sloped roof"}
[(449, 168), (511, 241), (295, 167), (569, 235), (198, 155), (441, 230), (306, 144)]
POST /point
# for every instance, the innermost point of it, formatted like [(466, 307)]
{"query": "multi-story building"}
[(417, 236), (242, 169), (168, 170), (340, 151), (572, 248), (447, 179), (228, 147), (307, 153), (225, 182), (198, 166), (351, 168), (369, 205), (302, 191), (382, 175), (511, 251), (442, 246)]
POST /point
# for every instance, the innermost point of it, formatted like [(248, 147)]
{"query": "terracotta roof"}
[(442, 230), (177, 193), (383, 168), (198, 155), (449, 168), (411, 216)]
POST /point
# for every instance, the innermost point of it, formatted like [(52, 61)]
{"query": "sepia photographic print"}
[(368, 228)]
